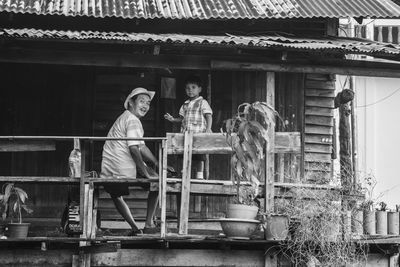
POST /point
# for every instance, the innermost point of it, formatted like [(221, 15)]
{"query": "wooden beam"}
[(163, 191), (269, 155), (26, 145), (186, 176), (81, 183), (86, 58), (342, 67), (182, 257), (215, 143)]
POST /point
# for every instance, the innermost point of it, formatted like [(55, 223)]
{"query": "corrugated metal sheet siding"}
[(344, 45), (206, 9)]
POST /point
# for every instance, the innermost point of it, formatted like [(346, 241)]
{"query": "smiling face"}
[(192, 90), (140, 105)]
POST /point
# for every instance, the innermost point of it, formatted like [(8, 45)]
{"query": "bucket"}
[(276, 227)]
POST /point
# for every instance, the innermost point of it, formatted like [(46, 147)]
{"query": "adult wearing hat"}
[(123, 158)]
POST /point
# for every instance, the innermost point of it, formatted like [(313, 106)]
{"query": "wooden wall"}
[(318, 130), (44, 100)]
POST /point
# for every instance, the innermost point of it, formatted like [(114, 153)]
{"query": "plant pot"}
[(357, 223), (241, 211), (276, 227), (238, 228), (2, 229), (369, 223), (393, 223), (18, 230), (381, 222)]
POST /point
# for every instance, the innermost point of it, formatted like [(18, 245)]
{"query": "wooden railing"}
[(186, 144)]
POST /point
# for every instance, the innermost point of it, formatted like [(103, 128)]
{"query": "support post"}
[(163, 186), (81, 183), (186, 175), (269, 155)]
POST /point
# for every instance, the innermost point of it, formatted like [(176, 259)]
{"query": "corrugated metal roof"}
[(328, 44), (206, 9)]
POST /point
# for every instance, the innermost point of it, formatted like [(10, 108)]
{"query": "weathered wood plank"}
[(163, 187), (320, 93), (318, 166), (317, 77), (27, 145), (319, 102), (343, 67), (135, 192), (317, 129), (319, 120), (180, 257), (323, 85), (318, 157), (132, 203), (319, 111), (269, 155), (186, 176), (315, 148), (215, 143), (318, 139)]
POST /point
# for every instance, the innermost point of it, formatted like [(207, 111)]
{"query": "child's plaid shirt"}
[(193, 112)]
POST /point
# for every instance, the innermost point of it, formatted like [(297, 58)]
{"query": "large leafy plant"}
[(13, 200), (248, 135)]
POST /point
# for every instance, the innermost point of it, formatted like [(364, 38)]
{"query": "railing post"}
[(81, 184), (163, 186), (269, 155), (186, 175)]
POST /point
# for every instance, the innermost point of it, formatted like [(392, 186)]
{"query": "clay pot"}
[(238, 228), (18, 230)]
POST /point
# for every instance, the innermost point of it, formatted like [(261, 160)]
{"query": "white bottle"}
[(75, 160)]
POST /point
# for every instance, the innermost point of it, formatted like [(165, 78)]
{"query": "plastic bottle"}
[(75, 160)]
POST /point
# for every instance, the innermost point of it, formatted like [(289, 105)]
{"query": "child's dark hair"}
[(193, 79)]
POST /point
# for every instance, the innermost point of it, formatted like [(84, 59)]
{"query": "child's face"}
[(192, 90)]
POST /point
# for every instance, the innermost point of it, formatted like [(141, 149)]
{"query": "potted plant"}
[(2, 222), (369, 221), (381, 219), (13, 204), (393, 221), (248, 135)]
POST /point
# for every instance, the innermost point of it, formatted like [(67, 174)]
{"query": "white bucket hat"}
[(137, 91)]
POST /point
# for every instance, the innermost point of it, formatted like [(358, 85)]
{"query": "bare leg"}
[(124, 210), (152, 201)]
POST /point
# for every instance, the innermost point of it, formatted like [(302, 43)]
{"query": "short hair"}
[(193, 79)]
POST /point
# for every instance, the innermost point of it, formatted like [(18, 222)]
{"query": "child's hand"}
[(168, 117), (208, 130)]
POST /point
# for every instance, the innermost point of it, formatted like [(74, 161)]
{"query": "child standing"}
[(195, 115)]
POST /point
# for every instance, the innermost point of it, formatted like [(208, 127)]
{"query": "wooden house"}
[(67, 66)]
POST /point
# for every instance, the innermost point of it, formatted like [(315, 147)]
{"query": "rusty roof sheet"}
[(327, 44), (206, 9)]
